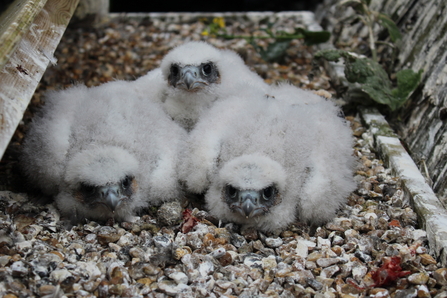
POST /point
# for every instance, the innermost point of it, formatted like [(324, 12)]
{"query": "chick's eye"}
[(231, 191), (87, 189), (126, 182), (268, 193), (206, 69), (174, 70)]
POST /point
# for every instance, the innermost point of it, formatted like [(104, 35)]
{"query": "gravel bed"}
[(373, 248)]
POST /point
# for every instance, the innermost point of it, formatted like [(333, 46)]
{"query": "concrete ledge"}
[(431, 213), (307, 18)]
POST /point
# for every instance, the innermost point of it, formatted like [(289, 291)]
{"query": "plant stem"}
[(372, 43), (299, 36)]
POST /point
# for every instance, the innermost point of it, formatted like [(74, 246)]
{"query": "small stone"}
[(179, 277), (301, 249), (328, 272), (286, 234), (163, 243), (441, 276), (224, 234), (327, 282), (310, 265), (358, 271), (49, 291), (378, 292), (314, 256), (218, 253), (127, 240), (59, 275), (391, 235), (337, 240), (337, 250), (170, 213), (422, 291), (316, 285), (145, 281), (321, 242), (4, 260), (205, 268), (107, 234), (19, 269), (253, 260), (418, 234), (269, 263), (117, 289), (228, 258), (427, 259), (136, 252), (406, 293), (379, 169), (418, 278), (249, 234), (326, 262), (194, 240), (273, 242), (90, 238), (180, 252)]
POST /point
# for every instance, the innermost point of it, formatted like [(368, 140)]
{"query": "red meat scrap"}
[(189, 221), (389, 272)]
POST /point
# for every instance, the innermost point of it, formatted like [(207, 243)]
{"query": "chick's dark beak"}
[(190, 78), (250, 205), (112, 196)]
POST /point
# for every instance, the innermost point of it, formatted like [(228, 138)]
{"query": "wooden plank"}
[(422, 121), (22, 73), (14, 22)]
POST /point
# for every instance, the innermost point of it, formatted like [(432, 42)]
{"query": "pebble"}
[(273, 242), (441, 276), (418, 278), (170, 213)]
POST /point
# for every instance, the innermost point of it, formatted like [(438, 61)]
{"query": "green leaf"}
[(374, 79), (407, 82), (389, 24), (357, 5), (372, 76), (329, 55), (313, 37), (275, 51)]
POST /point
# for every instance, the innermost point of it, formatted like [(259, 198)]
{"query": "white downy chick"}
[(264, 163), (196, 75), (103, 152)]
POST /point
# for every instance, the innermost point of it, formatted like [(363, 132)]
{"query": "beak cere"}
[(111, 196), (189, 76), (249, 203)]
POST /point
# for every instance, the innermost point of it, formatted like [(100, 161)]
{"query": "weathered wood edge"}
[(14, 21), (432, 215), (22, 72)]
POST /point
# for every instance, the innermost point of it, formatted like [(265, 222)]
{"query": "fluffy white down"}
[(100, 165), (309, 143), (99, 135), (235, 79)]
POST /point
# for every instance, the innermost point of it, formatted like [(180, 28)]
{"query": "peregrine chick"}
[(264, 163), (102, 152), (197, 74)]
